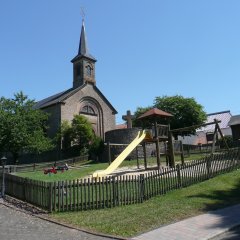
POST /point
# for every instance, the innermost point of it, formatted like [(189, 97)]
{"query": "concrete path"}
[(201, 227), (17, 225)]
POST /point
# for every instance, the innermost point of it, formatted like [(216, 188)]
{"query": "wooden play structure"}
[(186, 129), (158, 133)]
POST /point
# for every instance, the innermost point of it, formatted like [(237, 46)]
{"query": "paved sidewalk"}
[(201, 227), (17, 225)]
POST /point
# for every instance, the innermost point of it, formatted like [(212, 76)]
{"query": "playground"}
[(131, 182), (159, 133), (167, 154), (133, 158), (165, 181), (122, 181)]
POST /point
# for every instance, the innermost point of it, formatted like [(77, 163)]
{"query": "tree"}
[(82, 132), (78, 135), (64, 135), (22, 128), (96, 148), (186, 111), (138, 113), (226, 139)]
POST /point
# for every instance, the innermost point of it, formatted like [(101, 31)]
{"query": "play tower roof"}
[(155, 112)]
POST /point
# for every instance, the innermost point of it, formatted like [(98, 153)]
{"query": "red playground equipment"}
[(50, 170), (54, 169)]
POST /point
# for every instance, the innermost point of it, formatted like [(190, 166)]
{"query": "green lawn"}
[(89, 167), (153, 161), (71, 174), (131, 220)]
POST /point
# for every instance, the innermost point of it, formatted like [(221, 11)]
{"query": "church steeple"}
[(83, 63)]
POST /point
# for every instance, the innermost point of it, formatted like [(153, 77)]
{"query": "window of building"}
[(89, 71), (88, 110)]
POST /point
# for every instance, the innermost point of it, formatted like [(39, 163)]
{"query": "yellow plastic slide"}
[(115, 164)]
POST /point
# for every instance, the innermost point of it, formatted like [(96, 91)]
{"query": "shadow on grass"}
[(221, 198), (226, 206)]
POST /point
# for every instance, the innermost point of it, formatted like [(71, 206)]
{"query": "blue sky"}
[(144, 48)]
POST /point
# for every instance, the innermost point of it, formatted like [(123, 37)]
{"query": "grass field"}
[(71, 174), (131, 220), (83, 170)]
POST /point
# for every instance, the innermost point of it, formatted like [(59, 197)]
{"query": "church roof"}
[(83, 48), (62, 96)]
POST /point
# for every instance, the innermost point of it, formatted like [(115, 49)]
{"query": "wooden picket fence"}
[(40, 166), (107, 192)]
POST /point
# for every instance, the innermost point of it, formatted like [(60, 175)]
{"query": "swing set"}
[(185, 129)]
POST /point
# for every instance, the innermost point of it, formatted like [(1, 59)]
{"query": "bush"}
[(228, 139), (96, 148)]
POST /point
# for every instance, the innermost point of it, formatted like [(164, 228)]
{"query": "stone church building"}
[(82, 98)]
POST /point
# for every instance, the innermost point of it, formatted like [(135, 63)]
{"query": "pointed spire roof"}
[(83, 49)]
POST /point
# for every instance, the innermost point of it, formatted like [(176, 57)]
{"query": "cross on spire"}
[(128, 118), (82, 13)]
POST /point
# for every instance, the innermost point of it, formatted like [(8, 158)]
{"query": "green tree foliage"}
[(82, 132), (22, 128), (186, 111), (96, 147), (76, 136), (226, 139), (65, 135), (138, 113)]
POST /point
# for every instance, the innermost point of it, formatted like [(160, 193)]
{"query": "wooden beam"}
[(145, 155), (171, 149), (157, 145), (194, 126), (214, 139), (220, 131)]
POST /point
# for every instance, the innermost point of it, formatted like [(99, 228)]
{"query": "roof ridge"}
[(227, 111)]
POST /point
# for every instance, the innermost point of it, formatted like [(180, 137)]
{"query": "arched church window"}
[(88, 110), (89, 71)]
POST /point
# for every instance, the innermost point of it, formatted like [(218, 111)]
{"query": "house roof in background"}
[(223, 116), (121, 126), (235, 120)]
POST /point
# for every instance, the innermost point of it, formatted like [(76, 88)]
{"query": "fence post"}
[(142, 188), (25, 186), (182, 153), (114, 191), (50, 197), (208, 165), (179, 176)]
